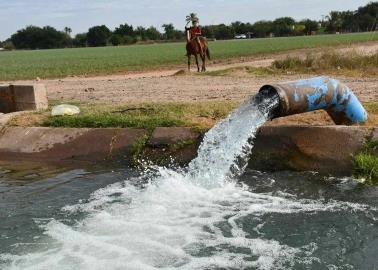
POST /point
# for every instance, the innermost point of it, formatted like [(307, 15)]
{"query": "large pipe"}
[(315, 94)]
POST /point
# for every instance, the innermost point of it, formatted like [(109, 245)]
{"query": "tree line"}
[(34, 37)]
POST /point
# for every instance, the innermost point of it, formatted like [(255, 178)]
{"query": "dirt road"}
[(163, 86)]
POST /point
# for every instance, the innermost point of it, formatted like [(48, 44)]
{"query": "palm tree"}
[(192, 17), (67, 30)]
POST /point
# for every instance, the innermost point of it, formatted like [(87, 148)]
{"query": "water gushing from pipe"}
[(225, 150)]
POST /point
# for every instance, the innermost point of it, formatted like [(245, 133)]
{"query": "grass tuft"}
[(353, 64), (107, 120), (366, 163), (138, 148), (201, 115)]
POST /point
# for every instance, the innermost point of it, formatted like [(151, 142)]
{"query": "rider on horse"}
[(195, 31)]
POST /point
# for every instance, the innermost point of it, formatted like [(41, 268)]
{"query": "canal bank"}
[(326, 149)]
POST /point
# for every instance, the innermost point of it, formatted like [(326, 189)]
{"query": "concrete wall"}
[(54, 144), (327, 149), (15, 98)]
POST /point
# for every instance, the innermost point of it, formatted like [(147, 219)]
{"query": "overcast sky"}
[(82, 14)]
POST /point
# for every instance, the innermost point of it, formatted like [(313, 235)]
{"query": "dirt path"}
[(163, 86)]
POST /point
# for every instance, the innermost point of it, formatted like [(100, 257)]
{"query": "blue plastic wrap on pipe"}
[(315, 94)]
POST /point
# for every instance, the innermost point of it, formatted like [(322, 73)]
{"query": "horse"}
[(194, 48)]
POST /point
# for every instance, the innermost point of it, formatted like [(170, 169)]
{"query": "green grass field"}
[(58, 63)]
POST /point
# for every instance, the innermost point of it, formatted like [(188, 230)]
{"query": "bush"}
[(116, 40)]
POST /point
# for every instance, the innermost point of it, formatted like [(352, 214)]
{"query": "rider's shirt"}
[(195, 31)]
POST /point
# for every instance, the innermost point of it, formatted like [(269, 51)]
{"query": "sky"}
[(79, 15)]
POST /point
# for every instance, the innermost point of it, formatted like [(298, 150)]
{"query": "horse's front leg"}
[(198, 68), (189, 62)]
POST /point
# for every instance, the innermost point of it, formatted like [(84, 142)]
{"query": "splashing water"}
[(225, 151), (191, 220)]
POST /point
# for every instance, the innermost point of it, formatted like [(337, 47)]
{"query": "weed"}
[(366, 163)]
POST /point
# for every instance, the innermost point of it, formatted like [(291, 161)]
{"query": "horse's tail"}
[(208, 53)]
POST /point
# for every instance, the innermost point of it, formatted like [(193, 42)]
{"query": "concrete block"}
[(30, 97), (15, 98), (7, 102)]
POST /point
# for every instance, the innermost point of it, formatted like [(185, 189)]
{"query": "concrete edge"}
[(327, 149)]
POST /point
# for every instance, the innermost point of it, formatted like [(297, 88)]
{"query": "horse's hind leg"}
[(196, 56), (203, 57)]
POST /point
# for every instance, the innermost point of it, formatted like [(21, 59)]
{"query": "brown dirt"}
[(164, 86)]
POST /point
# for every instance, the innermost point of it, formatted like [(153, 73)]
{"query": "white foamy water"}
[(179, 220), (224, 153)]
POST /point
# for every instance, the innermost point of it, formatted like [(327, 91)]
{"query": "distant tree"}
[(152, 33), (334, 22), (223, 31), (116, 40), (8, 45), (367, 17), (349, 21), (125, 30), (284, 26), (33, 37), (262, 28), (80, 40), (241, 28), (179, 35), (98, 36), (169, 31), (309, 26), (140, 33), (67, 30), (208, 31)]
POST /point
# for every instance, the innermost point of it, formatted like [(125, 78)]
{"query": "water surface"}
[(211, 215), (111, 219)]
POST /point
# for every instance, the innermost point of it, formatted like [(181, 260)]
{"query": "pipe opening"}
[(313, 94), (271, 95)]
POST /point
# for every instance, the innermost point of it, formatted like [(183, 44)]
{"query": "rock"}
[(6, 117)]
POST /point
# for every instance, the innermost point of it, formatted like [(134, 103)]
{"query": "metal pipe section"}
[(318, 93)]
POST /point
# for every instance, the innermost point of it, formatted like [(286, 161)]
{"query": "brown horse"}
[(197, 46)]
